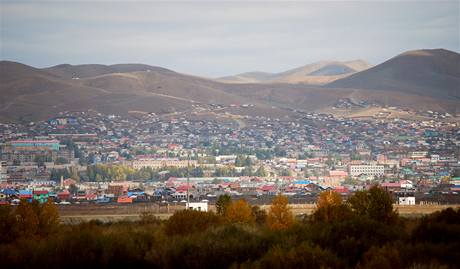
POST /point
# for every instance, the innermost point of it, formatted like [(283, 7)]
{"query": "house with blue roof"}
[(26, 194), (302, 182)]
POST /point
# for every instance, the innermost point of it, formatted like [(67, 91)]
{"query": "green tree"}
[(260, 215), (239, 161), (376, 203), (247, 171), (190, 221), (261, 172), (223, 202), (61, 160), (285, 172), (247, 161)]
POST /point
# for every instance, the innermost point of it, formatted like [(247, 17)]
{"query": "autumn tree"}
[(329, 198), (48, 218), (280, 215), (239, 212), (330, 207), (223, 202), (7, 224), (27, 218)]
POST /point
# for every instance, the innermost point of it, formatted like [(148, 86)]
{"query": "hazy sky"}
[(216, 38)]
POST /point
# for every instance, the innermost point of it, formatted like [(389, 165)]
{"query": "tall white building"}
[(370, 170)]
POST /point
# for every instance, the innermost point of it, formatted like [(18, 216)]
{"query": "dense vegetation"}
[(363, 232), (104, 172)]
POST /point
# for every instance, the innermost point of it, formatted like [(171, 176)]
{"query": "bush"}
[(190, 221), (302, 256)]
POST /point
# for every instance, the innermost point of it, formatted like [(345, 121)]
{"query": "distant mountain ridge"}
[(92, 70), (318, 73), (434, 72), (420, 80)]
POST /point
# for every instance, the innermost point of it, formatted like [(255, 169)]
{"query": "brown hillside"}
[(434, 73)]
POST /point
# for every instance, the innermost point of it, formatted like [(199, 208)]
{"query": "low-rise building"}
[(372, 170)]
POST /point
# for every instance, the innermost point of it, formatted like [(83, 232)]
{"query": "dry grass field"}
[(108, 213)]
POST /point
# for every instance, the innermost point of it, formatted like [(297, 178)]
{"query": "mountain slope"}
[(434, 73), (92, 70), (316, 74), (420, 80), (29, 93)]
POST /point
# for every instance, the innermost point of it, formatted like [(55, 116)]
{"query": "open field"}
[(378, 113), (108, 213)]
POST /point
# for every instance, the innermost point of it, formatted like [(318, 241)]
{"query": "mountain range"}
[(421, 79), (319, 73)]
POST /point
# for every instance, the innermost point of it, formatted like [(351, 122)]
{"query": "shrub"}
[(190, 221)]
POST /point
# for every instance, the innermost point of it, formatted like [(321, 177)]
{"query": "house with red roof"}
[(268, 189), (391, 186), (64, 195)]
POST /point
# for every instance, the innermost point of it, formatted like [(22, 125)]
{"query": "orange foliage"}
[(239, 212), (280, 216), (329, 198)]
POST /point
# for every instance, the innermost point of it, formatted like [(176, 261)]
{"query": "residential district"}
[(88, 157)]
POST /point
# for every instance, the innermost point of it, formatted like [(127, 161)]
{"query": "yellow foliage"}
[(239, 212), (280, 216), (329, 198), (330, 208)]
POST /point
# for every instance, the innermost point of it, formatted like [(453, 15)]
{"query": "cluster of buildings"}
[(248, 155)]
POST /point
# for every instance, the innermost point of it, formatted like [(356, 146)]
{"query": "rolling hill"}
[(29, 93), (315, 74), (92, 70), (434, 73), (424, 79)]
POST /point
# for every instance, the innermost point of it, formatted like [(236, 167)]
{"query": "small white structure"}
[(200, 206), (435, 158), (410, 200), (406, 184)]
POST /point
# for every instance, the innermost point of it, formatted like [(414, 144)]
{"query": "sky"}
[(214, 39)]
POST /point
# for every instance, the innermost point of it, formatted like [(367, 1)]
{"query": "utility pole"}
[(188, 180)]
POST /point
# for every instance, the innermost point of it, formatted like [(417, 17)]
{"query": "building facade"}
[(160, 163), (371, 170)]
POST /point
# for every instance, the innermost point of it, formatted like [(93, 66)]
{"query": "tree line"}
[(104, 172), (363, 232)]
